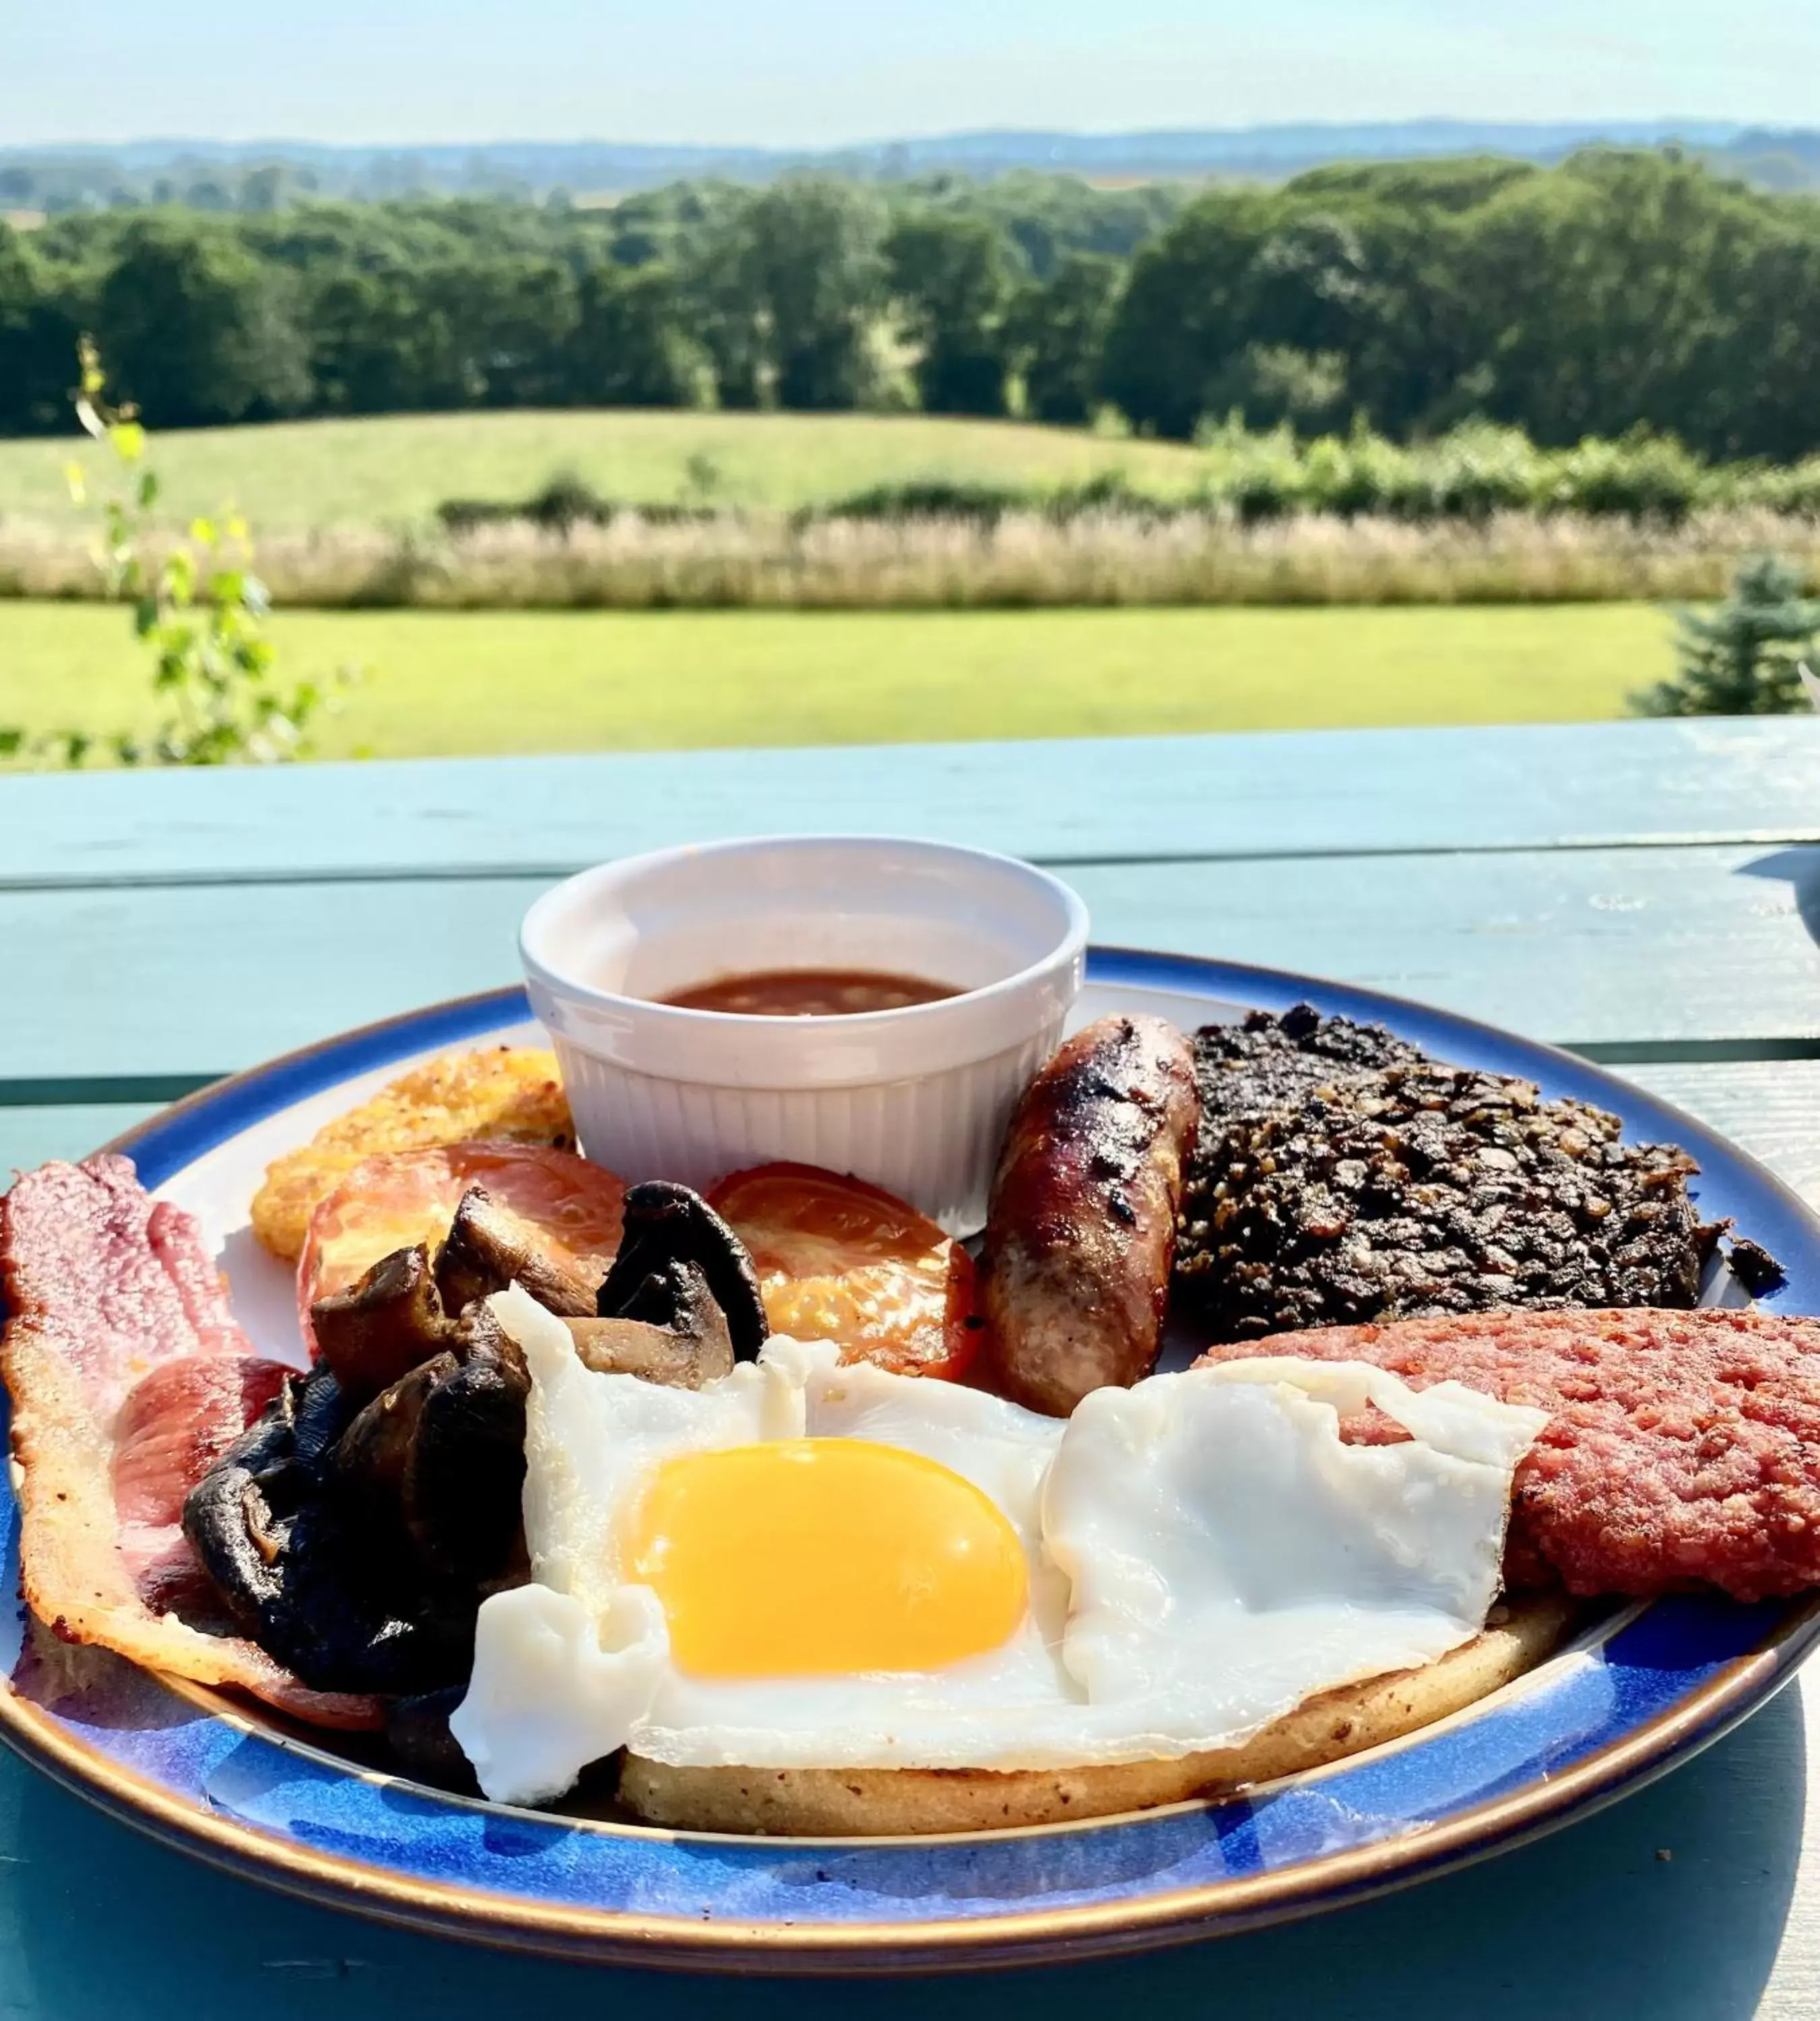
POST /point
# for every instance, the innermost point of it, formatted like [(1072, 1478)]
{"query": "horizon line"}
[(1665, 124)]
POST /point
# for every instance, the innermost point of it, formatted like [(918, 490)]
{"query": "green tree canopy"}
[(951, 276), (629, 348), (792, 281), (200, 326), (1058, 334), (38, 338)]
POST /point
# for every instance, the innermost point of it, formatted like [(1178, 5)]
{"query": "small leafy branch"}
[(197, 608)]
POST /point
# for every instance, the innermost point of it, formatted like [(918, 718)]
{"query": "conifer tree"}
[(1744, 657)]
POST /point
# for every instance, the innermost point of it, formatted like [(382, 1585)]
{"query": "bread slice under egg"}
[(847, 1803)]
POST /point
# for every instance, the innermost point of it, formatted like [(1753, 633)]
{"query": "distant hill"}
[(216, 172)]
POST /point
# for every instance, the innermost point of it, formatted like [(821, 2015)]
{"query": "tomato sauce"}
[(811, 992)]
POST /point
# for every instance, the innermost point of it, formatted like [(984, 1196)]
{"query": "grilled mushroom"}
[(303, 1575), (679, 1357), (354, 1530), (355, 1545), (403, 1311), (438, 1459), (673, 1249), (377, 1331), (488, 1248)]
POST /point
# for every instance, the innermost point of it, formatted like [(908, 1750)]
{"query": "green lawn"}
[(296, 473), (527, 681)]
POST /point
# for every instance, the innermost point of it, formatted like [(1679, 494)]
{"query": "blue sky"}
[(817, 72)]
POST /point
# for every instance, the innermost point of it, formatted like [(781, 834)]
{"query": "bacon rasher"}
[(130, 1378)]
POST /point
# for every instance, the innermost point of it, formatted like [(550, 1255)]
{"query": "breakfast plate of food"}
[(841, 1428)]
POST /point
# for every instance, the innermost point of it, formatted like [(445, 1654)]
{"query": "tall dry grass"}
[(1025, 561)]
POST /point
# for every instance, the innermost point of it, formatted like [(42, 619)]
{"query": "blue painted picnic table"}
[(1648, 893)]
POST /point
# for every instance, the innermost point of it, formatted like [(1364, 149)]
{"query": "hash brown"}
[(509, 1095)]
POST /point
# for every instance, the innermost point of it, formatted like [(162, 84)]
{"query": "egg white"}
[(1203, 1552)]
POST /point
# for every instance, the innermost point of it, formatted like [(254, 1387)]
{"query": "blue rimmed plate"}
[(1643, 1690)]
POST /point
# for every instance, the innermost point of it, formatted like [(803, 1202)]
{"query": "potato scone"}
[(843, 1803), (495, 1094)]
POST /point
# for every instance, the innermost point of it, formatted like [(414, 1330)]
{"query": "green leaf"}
[(200, 625)]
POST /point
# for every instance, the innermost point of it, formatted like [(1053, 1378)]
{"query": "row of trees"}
[(1622, 290), (798, 296)]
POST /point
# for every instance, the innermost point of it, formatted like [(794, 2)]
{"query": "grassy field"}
[(300, 474), (496, 682)]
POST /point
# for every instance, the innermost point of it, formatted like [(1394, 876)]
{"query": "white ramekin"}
[(916, 1100)]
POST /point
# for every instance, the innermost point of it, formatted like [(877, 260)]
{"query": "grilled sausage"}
[(1082, 1228)]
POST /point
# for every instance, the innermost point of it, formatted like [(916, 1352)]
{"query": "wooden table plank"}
[(1609, 946), (1771, 1108), (1345, 792), (29, 1136)]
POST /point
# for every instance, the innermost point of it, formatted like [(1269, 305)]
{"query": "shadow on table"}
[(1671, 1904), (1798, 867)]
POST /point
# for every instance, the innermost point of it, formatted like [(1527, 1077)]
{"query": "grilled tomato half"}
[(840, 1260)]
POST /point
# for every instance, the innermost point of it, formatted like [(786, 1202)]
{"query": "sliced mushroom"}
[(303, 1575), (439, 1457), (375, 1458), (377, 1330), (667, 1226), (488, 1248), (631, 1347), (464, 1492)]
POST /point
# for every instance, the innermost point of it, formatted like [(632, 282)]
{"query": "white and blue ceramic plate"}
[(1644, 1689)]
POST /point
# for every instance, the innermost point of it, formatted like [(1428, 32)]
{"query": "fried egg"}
[(811, 1565)]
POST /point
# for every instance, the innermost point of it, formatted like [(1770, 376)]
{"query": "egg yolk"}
[(807, 1557)]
